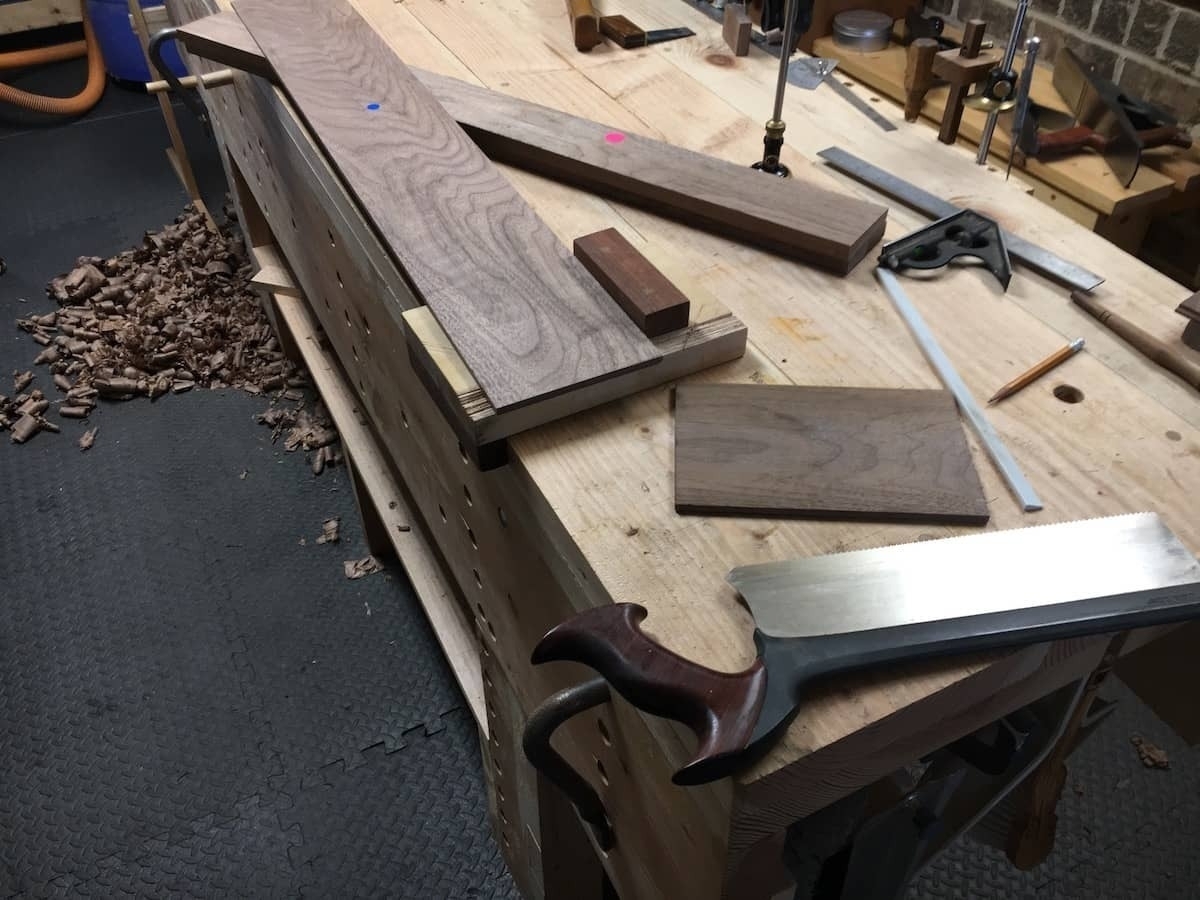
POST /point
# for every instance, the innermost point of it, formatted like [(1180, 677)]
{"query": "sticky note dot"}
[(614, 137), (372, 107)]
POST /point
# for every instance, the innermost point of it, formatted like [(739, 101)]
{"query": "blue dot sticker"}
[(372, 107)]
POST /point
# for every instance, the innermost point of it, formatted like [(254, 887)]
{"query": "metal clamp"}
[(554, 711), (190, 100)]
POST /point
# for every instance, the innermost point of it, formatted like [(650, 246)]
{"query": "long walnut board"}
[(526, 317), (822, 452), (790, 217)]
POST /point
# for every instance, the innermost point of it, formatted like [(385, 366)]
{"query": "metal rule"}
[(1037, 258), (992, 443), (861, 105)]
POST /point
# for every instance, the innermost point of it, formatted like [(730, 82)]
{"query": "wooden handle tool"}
[(585, 24), (1080, 137), (1146, 344), (918, 75)]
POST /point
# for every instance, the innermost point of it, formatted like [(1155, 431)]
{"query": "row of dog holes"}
[(493, 727)]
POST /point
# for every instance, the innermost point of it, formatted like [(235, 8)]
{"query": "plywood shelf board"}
[(1085, 177)]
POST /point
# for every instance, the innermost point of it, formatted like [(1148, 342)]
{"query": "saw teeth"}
[(973, 534)]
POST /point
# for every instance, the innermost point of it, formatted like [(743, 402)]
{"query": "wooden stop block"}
[(736, 29), (654, 304)]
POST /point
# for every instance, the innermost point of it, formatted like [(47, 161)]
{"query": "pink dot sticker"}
[(614, 137)]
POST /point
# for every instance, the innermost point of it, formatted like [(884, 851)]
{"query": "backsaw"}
[(829, 615)]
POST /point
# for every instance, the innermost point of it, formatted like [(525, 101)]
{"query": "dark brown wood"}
[(721, 708), (1145, 343), (861, 453), (1190, 307), (654, 304), (972, 40), (622, 32), (585, 24), (1191, 334), (735, 28), (523, 314), (969, 49), (790, 217), (222, 37), (918, 76)]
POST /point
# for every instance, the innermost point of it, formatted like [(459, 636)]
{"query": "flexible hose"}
[(19, 59), (65, 106)]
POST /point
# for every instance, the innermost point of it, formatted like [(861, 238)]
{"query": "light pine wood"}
[(823, 453), (613, 530), (26, 15), (177, 153), (523, 313)]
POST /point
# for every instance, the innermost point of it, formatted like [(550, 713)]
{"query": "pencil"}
[(1027, 378)]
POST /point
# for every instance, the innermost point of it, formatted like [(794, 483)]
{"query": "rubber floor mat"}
[(194, 699)]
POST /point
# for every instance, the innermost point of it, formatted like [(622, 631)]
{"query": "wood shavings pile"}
[(175, 313), (304, 429)]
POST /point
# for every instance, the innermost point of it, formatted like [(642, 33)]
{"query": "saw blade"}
[(976, 574)]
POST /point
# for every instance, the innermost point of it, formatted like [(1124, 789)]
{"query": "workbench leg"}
[(762, 873), (374, 530), (1032, 835)]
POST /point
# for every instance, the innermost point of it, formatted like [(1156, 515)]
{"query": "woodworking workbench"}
[(583, 513)]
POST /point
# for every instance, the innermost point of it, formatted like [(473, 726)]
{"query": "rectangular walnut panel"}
[(526, 317)]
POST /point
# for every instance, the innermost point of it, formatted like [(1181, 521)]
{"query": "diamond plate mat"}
[(194, 700)]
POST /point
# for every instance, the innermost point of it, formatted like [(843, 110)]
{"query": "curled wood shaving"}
[(360, 568), (1151, 755), (329, 532)]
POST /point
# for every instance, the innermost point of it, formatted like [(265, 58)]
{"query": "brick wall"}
[(1149, 47)]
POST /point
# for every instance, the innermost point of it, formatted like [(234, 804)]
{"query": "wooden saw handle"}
[(1165, 136), (1069, 140), (721, 708)]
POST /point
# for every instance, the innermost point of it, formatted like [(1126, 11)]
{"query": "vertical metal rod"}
[(1021, 110), (1010, 53), (785, 55)]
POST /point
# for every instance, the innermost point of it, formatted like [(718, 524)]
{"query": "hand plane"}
[(826, 616)]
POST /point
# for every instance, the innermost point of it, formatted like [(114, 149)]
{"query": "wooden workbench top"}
[(604, 478)]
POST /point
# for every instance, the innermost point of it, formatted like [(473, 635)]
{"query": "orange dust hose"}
[(62, 106), (19, 59)]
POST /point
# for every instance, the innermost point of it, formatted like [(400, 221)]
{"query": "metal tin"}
[(865, 30)]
